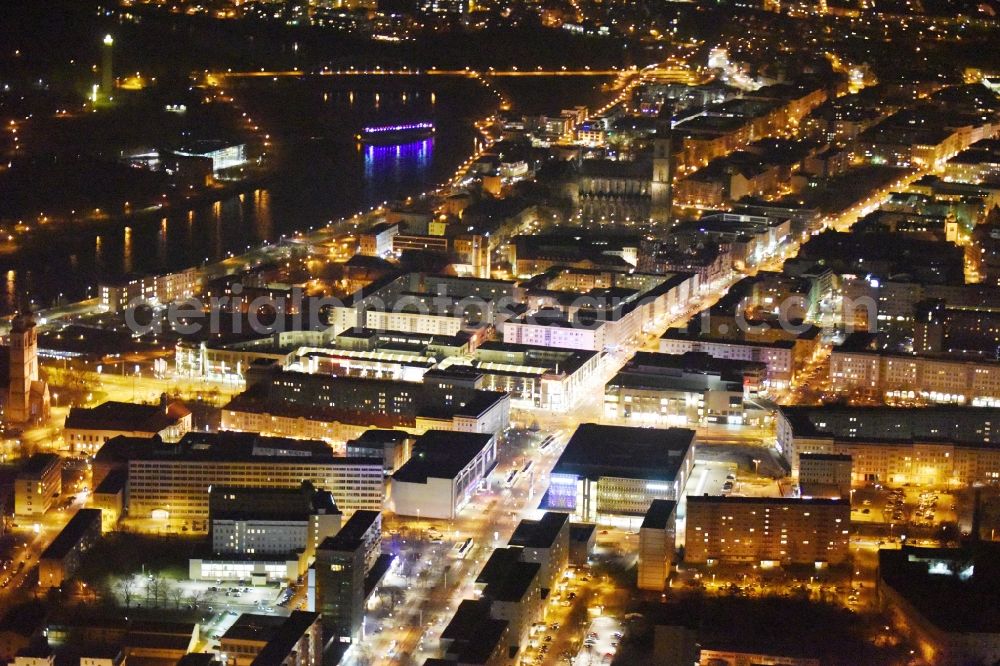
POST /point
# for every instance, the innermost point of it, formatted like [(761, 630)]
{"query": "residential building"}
[(936, 446), (657, 537), (60, 560), (37, 484), (582, 541), (109, 497), (826, 469), (513, 588), (345, 567), (770, 531), (546, 542), (474, 636), (270, 640), (119, 295), (860, 366)]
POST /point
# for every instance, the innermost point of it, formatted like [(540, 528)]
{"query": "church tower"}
[(661, 187), (23, 369)]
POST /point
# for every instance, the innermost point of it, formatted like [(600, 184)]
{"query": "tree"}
[(197, 596), (126, 589), (177, 595), (156, 589)]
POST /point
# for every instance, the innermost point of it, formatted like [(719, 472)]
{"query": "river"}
[(322, 175)]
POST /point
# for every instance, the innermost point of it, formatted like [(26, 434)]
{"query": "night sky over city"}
[(489, 333)]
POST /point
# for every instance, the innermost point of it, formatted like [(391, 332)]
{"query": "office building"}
[(348, 567), (37, 484), (394, 447), (443, 473), (172, 480), (61, 559), (939, 445), (88, 428), (657, 537), (252, 521), (770, 531), (592, 479)]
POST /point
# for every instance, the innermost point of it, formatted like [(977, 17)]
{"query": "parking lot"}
[(601, 642), (218, 604), (903, 506)]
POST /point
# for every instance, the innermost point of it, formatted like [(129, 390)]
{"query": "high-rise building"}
[(656, 544), (342, 575)]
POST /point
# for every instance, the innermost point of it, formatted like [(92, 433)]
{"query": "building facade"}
[(766, 530)]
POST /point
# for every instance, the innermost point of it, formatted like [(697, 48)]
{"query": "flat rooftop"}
[(769, 501), (506, 577), (441, 454), (38, 464), (678, 334), (581, 532), (639, 453), (475, 634), (659, 515), (955, 589), (351, 535), (833, 457), (938, 423), (540, 533), (230, 446), (285, 638)]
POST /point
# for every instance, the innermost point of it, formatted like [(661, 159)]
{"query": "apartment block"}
[(770, 531)]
